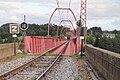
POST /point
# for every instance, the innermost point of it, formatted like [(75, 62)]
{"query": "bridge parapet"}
[(107, 63), (37, 44), (7, 50)]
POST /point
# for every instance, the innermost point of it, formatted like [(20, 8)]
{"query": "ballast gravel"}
[(13, 64), (69, 69)]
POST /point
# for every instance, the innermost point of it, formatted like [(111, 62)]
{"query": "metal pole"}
[(81, 47), (24, 18), (14, 46)]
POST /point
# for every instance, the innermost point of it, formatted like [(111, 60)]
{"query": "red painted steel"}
[(72, 35), (67, 9), (36, 45), (71, 48), (83, 15), (78, 44), (27, 44), (83, 12), (57, 51), (40, 44), (64, 21), (64, 30)]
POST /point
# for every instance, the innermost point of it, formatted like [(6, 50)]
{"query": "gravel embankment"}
[(69, 69), (13, 64)]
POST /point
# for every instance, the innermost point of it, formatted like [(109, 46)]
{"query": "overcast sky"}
[(101, 13)]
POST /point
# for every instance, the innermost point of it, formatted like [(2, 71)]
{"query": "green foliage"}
[(117, 36), (4, 31), (33, 30), (97, 37), (50, 54), (90, 40), (106, 43), (115, 31), (76, 56), (112, 44), (1, 41), (21, 55), (10, 40), (94, 31)]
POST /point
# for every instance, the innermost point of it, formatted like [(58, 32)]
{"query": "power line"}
[(58, 7), (69, 3), (68, 10), (61, 17)]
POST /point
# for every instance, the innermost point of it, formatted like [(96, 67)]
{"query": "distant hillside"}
[(4, 31), (33, 30), (97, 30), (113, 32), (109, 40)]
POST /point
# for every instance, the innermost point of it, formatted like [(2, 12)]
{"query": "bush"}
[(1, 41), (10, 40), (111, 44), (90, 40)]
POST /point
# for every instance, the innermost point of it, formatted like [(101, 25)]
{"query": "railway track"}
[(34, 69)]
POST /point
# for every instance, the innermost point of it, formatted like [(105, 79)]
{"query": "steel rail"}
[(21, 67), (53, 63)]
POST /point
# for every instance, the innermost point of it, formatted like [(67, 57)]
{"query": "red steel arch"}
[(60, 24), (67, 9), (64, 30)]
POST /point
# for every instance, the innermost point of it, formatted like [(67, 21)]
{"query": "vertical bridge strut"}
[(83, 17)]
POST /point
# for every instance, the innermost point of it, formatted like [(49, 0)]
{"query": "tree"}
[(89, 40), (10, 40), (115, 31), (94, 31), (1, 41), (111, 44)]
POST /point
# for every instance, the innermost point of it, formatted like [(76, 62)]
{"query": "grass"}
[(51, 54), (11, 58), (22, 55), (46, 54), (77, 56), (19, 55), (33, 54)]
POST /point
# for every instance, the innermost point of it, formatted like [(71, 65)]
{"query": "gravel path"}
[(69, 69), (13, 64)]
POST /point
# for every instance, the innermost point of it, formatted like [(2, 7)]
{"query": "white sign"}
[(14, 35), (81, 37), (14, 28)]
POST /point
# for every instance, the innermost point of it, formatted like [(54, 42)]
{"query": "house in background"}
[(108, 34)]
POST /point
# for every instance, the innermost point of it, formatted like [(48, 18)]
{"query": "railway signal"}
[(24, 26), (14, 28)]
